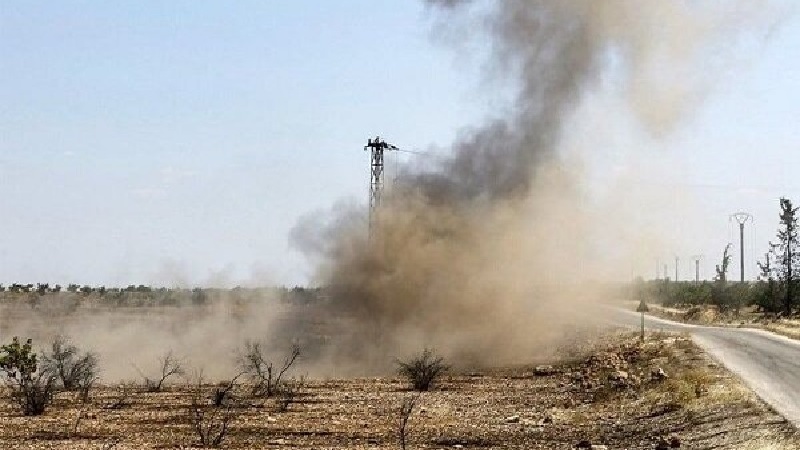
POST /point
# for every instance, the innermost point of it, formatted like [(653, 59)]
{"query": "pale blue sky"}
[(179, 142)]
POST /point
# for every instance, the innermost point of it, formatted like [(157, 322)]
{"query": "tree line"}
[(146, 296), (775, 291)]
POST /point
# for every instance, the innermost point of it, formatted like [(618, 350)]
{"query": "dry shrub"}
[(287, 392), (423, 369), (121, 397), (170, 366), (209, 416), (263, 375), (75, 371), (406, 409), (224, 390), (681, 390)]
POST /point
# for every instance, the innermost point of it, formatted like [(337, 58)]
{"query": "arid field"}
[(611, 391)]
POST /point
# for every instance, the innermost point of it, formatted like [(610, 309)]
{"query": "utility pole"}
[(642, 308), (376, 147), (676, 268), (697, 259), (741, 218), (666, 274)]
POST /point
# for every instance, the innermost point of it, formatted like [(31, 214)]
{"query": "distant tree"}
[(199, 296), (786, 256), (768, 296), (720, 293)]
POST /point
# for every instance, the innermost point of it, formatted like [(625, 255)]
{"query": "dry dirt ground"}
[(611, 391)]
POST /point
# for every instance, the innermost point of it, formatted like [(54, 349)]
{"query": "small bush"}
[(121, 398), (265, 378), (287, 393), (211, 418), (224, 390), (682, 390), (32, 387), (422, 370), (75, 372), (170, 366)]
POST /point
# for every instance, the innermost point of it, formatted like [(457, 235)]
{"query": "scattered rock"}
[(587, 444), (674, 442), (543, 371), (659, 374), (618, 378), (512, 419), (662, 445)]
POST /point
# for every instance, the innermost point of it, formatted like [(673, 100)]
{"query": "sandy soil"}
[(606, 391)]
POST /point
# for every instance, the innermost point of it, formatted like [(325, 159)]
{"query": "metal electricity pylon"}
[(741, 218), (377, 147)]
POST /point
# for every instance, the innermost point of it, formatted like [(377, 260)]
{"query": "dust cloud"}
[(492, 252), (130, 338)]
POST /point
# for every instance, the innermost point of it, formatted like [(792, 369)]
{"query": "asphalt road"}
[(768, 363)]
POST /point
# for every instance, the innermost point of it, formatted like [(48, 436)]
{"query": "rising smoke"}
[(486, 254), (482, 255)]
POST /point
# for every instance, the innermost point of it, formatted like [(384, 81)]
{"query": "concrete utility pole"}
[(741, 218), (697, 259)]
